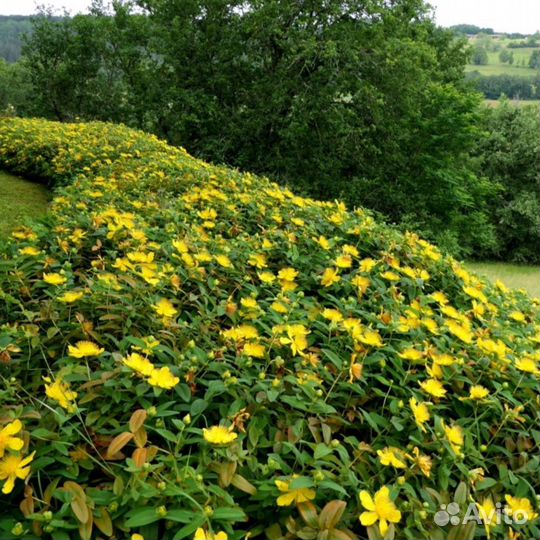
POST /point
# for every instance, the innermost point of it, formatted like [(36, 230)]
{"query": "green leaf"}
[(229, 514), (190, 528), (142, 516), (321, 450)]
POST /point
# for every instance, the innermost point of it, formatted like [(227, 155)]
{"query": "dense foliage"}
[(186, 348), (510, 153)]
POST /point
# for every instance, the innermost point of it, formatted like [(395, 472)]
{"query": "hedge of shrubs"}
[(191, 352)]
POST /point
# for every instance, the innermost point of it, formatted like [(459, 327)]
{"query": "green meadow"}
[(516, 276), (19, 199)]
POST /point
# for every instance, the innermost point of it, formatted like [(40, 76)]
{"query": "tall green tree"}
[(509, 153)]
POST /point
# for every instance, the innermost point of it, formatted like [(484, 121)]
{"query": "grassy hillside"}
[(188, 351)]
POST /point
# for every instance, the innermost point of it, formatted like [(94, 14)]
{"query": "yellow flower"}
[(219, 435), (180, 246), (379, 508), (296, 338), (366, 265), (454, 435), (323, 242), (54, 279), (420, 412), (440, 298), (60, 392), (30, 251), (139, 363), (329, 277), (371, 338), (333, 315), (70, 297), (293, 495), (258, 260), (13, 467), (223, 261), (343, 261), (287, 274), (249, 303), (163, 378), (350, 250), (473, 292), (201, 534), (487, 512), (390, 276), (423, 462), (267, 277), (433, 387), (460, 331), (7, 439), (478, 392), (528, 365), (255, 350), (361, 282), (136, 536), (279, 307), (165, 308), (391, 456), (520, 508), (412, 354), (517, 316), (84, 349), (241, 332)]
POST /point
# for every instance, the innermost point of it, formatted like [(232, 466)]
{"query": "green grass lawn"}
[(19, 199), (517, 276)]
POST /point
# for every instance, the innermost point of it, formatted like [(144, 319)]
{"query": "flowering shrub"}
[(191, 352)]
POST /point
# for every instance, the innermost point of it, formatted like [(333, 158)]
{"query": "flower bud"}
[(18, 529)]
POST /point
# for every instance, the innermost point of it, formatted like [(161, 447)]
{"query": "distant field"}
[(19, 199), (501, 69), (519, 67), (516, 276), (515, 102)]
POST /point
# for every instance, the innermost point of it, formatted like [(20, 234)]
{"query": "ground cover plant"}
[(191, 352)]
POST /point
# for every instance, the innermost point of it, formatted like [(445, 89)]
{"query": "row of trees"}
[(363, 100), (512, 86)]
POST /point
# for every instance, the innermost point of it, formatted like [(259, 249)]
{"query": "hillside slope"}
[(187, 349)]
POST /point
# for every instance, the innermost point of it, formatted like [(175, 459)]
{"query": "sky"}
[(502, 15), (521, 16)]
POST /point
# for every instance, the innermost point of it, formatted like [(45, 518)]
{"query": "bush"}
[(187, 349)]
